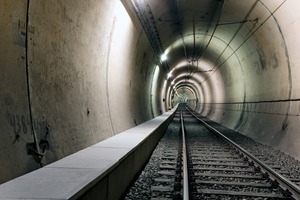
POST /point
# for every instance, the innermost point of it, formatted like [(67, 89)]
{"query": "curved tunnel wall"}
[(269, 109), (253, 86), (73, 74), (82, 69)]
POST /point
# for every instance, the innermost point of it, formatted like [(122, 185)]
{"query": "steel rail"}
[(283, 182), (184, 160)]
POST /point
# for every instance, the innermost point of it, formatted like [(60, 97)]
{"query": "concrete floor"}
[(75, 73)]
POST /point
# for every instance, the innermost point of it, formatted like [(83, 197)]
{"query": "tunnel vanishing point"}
[(74, 73)]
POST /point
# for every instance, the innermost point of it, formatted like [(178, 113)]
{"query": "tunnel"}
[(74, 73)]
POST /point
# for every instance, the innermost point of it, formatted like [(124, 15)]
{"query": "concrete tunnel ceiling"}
[(213, 39), (228, 56)]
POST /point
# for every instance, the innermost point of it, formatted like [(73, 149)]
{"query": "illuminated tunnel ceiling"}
[(235, 62), (213, 47)]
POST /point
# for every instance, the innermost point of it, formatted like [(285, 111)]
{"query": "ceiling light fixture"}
[(163, 57)]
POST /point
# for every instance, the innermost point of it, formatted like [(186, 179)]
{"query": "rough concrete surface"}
[(74, 73)]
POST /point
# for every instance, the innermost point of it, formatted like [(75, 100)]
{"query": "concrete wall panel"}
[(15, 121), (81, 71), (267, 108), (89, 75)]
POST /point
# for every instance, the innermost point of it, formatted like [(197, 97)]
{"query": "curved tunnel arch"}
[(187, 66), (188, 95), (88, 70), (247, 69)]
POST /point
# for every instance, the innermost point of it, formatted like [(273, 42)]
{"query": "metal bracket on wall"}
[(43, 145)]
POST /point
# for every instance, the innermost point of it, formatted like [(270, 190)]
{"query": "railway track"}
[(197, 162)]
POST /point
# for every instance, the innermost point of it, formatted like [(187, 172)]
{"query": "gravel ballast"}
[(142, 188)]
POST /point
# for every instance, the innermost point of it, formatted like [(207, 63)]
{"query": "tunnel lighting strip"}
[(283, 182), (185, 167), (149, 27)]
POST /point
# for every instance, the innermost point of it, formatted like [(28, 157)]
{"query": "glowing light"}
[(172, 82), (169, 75), (163, 57)]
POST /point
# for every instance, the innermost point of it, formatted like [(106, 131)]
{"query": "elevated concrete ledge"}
[(101, 171)]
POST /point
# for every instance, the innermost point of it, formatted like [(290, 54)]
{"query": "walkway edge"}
[(102, 170)]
